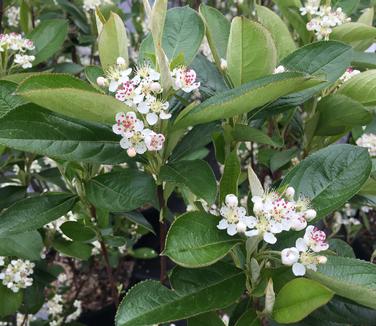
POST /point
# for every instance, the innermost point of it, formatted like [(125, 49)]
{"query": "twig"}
[(114, 292)]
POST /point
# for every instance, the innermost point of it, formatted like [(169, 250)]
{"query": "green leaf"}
[(352, 33), (26, 245), (339, 113), (121, 191), (341, 248), (298, 298), (8, 101), (113, 41), (32, 213), (230, 176), (11, 194), (249, 318), (247, 133), (348, 6), (281, 35), (196, 175), (48, 38), (34, 129), (25, 17), (361, 88), (247, 97), (144, 253), (208, 319), (10, 301), (280, 159), (138, 219), (330, 176), (363, 60), (70, 97), (350, 278), (77, 231), (217, 31), (92, 73), (73, 249), (195, 292), (203, 245), (251, 52)]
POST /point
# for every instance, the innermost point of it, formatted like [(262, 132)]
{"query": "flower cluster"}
[(15, 44), (349, 73), (16, 275), (273, 214), (304, 255), (92, 4), (322, 19), (13, 15), (141, 90), (55, 310), (368, 141)]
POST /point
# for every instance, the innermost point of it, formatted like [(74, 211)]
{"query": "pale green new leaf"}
[(352, 33)]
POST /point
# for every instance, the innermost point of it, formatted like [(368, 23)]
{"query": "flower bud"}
[(258, 207), (310, 214), (231, 200), (156, 87), (289, 256), (290, 192), (223, 64), (101, 81), (120, 61), (131, 152), (322, 259)]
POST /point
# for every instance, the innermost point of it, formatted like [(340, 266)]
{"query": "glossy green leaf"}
[(77, 231), (247, 97), (26, 245), (249, 318), (341, 248), (48, 37), (138, 219), (121, 191), (196, 175), (10, 301), (217, 31), (37, 130), (92, 73), (281, 35), (361, 88), (8, 101), (203, 245), (363, 60), (350, 278), (195, 292), (348, 6), (247, 133), (324, 177), (34, 212), (11, 194), (73, 249), (113, 41), (208, 319), (71, 97), (352, 33), (339, 113), (251, 51), (298, 298), (230, 177)]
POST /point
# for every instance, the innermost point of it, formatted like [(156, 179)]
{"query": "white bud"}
[(289, 256), (231, 200), (156, 87), (101, 81), (258, 207), (241, 227), (131, 152), (310, 214), (120, 61), (223, 64), (290, 193), (322, 259)]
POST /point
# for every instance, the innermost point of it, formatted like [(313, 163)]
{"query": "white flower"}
[(24, 60), (135, 143), (279, 70), (119, 78), (2, 261), (13, 15), (16, 275), (127, 124), (154, 109), (185, 79), (223, 64), (234, 218), (154, 141), (314, 239), (368, 141)]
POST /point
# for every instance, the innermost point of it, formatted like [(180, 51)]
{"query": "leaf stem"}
[(162, 234)]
